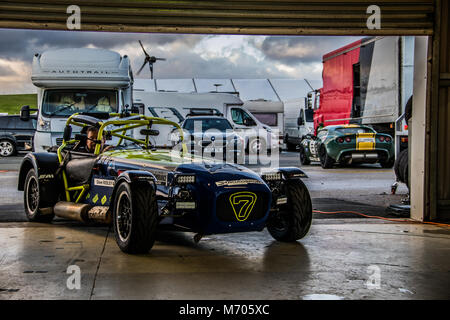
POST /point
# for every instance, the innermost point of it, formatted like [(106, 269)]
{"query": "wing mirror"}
[(25, 113)]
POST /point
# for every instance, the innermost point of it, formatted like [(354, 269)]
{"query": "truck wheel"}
[(325, 160), (135, 217), (33, 202), (294, 220), (389, 163), (304, 160), (7, 148), (401, 167)]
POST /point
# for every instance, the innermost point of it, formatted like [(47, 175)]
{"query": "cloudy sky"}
[(188, 56)]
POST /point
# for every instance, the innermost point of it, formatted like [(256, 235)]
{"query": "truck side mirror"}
[(300, 121), (25, 113)]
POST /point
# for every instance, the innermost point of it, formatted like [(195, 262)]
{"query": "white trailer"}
[(77, 80)]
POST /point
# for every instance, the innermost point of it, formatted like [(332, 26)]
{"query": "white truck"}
[(298, 121), (76, 80), (175, 106)]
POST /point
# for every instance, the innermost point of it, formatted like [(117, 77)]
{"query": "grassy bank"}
[(11, 103)]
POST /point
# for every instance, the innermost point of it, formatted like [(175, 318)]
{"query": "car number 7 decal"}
[(242, 204)]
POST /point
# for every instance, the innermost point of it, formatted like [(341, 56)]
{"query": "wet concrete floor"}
[(354, 259)]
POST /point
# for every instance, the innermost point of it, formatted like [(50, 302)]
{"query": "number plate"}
[(210, 149), (366, 140)]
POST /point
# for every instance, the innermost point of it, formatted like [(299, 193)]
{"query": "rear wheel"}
[(325, 160), (36, 209), (7, 148), (293, 221), (304, 160), (135, 217)]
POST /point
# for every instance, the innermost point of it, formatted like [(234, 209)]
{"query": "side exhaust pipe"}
[(82, 212), (72, 211)]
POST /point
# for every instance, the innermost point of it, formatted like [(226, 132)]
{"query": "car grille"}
[(225, 212), (59, 141)]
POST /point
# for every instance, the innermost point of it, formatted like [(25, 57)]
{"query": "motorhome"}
[(175, 106), (270, 113), (76, 80)]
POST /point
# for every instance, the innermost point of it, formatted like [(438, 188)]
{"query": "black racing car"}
[(138, 188)]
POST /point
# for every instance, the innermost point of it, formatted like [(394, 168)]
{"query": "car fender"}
[(290, 173), (7, 136), (45, 165), (133, 177)]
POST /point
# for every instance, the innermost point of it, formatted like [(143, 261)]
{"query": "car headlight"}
[(185, 178), (44, 125), (272, 176)]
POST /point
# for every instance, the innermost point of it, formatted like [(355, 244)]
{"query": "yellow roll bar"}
[(137, 121)]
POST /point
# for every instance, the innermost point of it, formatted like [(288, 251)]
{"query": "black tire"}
[(7, 148), (33, 200), (387, 163), (304, 160), (294, 220), (252, 141), (135, 217), (325, 160), (290, 146), (401, 166)]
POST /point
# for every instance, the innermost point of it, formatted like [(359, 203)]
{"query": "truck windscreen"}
[(65, 102)]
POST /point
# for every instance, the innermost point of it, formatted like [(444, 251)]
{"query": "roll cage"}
[(131, 122)]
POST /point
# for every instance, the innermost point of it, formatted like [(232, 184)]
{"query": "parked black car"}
[(15, 135)]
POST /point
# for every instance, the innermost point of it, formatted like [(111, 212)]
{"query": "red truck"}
[(368, 82)]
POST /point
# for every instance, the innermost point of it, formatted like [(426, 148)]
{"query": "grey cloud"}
[(292, 50), (23, 44)]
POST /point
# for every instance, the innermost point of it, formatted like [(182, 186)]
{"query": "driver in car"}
[(91, 141)]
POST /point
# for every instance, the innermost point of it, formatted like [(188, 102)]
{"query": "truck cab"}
[(299, 119), (77, 80)]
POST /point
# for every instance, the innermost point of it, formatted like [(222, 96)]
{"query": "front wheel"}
[(293, 221), (35, 207), (135, 217), (7, 148), (256, 146), (304, 160)]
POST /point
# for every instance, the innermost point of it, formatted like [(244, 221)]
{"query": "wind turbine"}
[(150, 60)]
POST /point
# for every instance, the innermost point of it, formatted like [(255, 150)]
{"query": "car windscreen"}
[(354, 130), (65, 102), (193, 125)]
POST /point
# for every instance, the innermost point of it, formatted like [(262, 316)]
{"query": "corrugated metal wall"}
[(399, 17), (443, 138)]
